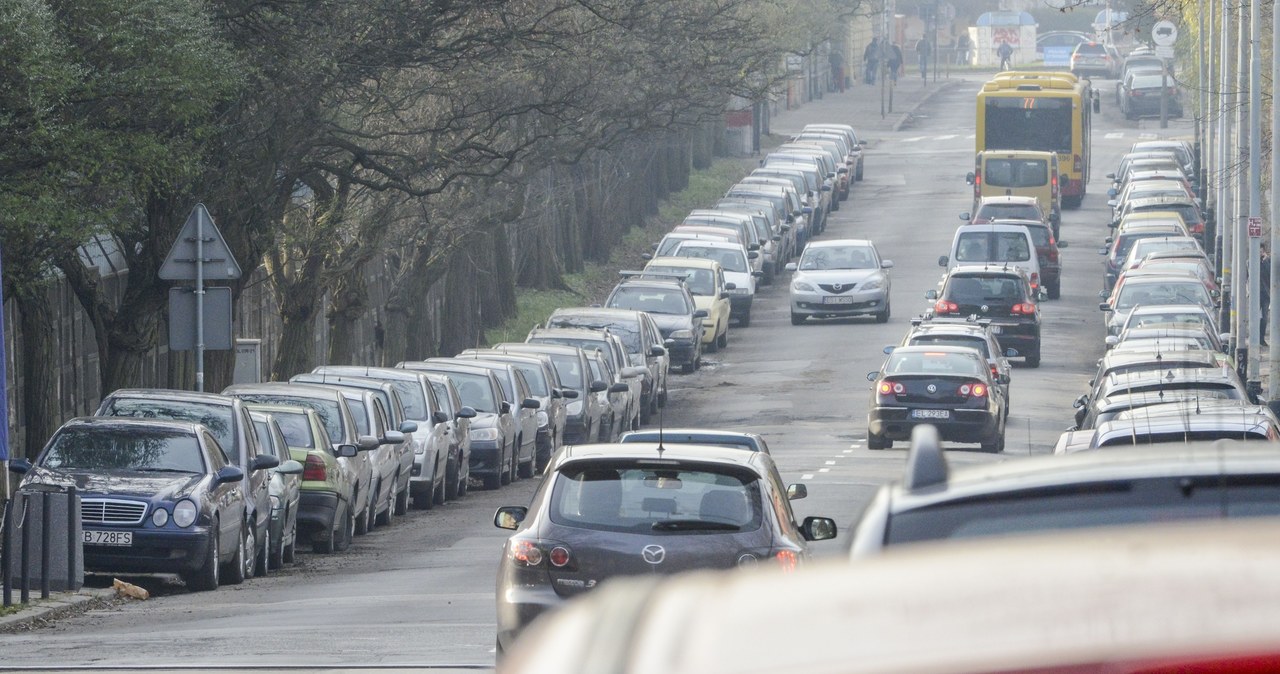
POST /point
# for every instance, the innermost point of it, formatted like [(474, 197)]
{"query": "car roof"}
[(1124, 401), (995, 268), (602, 312), (672, 261), (710, 243), (692, 436), (649, 452), (830, 243), (173, 394), (540, 348), (1167, 308), (1008, 199), (448, 364), (1172, 375), (579, 333), (134, 423)]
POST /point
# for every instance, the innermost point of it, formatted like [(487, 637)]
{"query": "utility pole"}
[(1255, 195), (1240, 324), (1201, 118), (1226, 225), (1273, 329)]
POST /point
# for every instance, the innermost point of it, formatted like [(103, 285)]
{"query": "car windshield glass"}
[(296, 429), (327, 409), (819, 258), (1164, 292), (217, 418), (1017, 172), (926, 362), (475, 391), (652, 300), (1009, 212), (700, 281), (1193, 318), (124, 449), (730, 259), (953, 340), (1142, 248), (412, 397), (655, 500), (981, 289), (627, 331), (1102, 504)]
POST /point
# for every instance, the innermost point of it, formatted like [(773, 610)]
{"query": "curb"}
[(906, 116), (41, 612)]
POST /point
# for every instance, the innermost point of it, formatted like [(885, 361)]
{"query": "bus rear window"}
[(1016, 172)]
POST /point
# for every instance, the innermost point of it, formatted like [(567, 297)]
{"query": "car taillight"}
[(526, 553), (995, 371), (787, 560), (1023, 308), (1035, 280), (888, 387), (945, 307), (975, 390), (1076, 159), (534, 553), (559, 556), (314, 469)]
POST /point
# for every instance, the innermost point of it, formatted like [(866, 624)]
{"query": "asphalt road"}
[(421, 591)]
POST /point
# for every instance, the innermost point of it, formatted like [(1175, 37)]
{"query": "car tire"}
[(361, 519), (744, 320), (385, 518), (876, 441), (1033, 361), (276, 558), (1055, 289), (346, 531), (688, 368), (238, 569), (796, 319), (402, 501), (713, 346), (492, 482), (996, 445), (452, 486), (421, 496), (769, 274), (464, 484), (262, 557), (883, 316), (723, 340), (859, 171), (205, 578), (527, 469), (324, 546), (289, 553), (438, 495)]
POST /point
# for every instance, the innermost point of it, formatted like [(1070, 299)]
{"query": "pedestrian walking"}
[(963, 47), (924, 51), (871, 58), (895, 61), (1005, 52), (836, 59)]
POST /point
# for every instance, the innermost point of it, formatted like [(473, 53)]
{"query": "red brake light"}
[(526, 552), (314, 469), (979, 390), (787, 560), (1024, 308), (559, 556), (977, 179), (946, 307), (888, 386), (1035, 280)]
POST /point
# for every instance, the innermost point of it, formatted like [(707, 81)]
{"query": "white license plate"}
[(995, 330), (837, 300), (930, 414), (121, 538)]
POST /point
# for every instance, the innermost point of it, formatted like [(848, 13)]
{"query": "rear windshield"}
[(981, 289), (953, 340), (130, 449), (329, 412), (1128, 502), (1017, 172), (1010, 212), (941, 362), (700, 281), (992, 247), (296, 429), (628, 331), (652, 300), (731, 260), (658, 500)]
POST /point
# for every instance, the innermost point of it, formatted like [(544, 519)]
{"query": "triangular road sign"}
[(219, 263)]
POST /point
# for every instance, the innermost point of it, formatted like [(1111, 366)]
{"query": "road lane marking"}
[(914, 140), (947, 137), (830, 463), (807, 476), (848, 451), (824, 470), (1114, 135)]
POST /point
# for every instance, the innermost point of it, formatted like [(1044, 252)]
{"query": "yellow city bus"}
[(1047, 111)]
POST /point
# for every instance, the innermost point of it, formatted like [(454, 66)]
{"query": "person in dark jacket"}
[(871, 57)]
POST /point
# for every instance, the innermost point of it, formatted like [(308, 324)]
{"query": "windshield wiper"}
[(163, 470), (694, 525)]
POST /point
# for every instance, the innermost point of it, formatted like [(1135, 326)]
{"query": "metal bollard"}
[(72, 544), (46, 500), (25, 565)]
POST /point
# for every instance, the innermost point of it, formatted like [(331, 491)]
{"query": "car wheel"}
[(877, 441), (464, 485), (506, 472), (1055, 289), (262, 556), (402, 501), (769, 273), (527, 469), (713, 345), (325, 545), (370, 512), (289, 553), (451, 481), (276, 559), (859, 171), (796, 319), (883, 316), (996, 445), (492, 481), (687, 368), (206, 578), (745, 319), (361, 518), (421, 492), (241, 565), (1034, 361), (345, 533), (385, 518), (723, 340)]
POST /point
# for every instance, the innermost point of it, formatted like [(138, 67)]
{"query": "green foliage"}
[(705, 187)]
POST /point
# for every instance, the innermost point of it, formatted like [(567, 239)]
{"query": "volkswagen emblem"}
[(837, 287), (985, 308), (932, 388), (653, 554)]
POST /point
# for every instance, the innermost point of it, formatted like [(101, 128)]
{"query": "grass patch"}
[(592, 284)]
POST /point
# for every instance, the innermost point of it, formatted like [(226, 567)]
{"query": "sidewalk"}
[(39, 612), (860, 105)]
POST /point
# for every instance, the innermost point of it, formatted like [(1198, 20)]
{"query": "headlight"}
[(160, 517), (575, 407), (184, 514), (680, 334), (803, 287), (873, 284), (543, 419), (485, 434)]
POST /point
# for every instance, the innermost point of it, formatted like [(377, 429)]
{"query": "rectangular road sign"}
[(182, 319), (1255, 227)]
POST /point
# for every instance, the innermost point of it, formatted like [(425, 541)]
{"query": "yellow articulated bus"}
[(1044, 111)]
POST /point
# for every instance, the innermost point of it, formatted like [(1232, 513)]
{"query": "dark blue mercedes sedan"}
[(156, 497)]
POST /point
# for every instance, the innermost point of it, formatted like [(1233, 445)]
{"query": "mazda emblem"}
[(985, 308), (837, 287), (932, 388), (653, 554)]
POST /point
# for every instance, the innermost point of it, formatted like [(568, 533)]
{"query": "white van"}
[(994, 243)]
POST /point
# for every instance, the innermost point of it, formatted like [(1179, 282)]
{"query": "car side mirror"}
[(942, 260), (790, 266), (440, 417), (1103, 306), (966, 216), (225, 475), (367, 442), (1080, 402), (646, 256), (969, 177), (657, 352), (790, 219), (795, 492), (345, 451), (619, 388), (818, 528), (1003, 378), (289, 467), (1062, 244), (886, 264), (263, 461), (1010, 353), (569, 394), (409, 427), (871, 376), (826, 188), (1113, 192), (888, 349), (393, 438), (786, 228), (757, 274), (1111, 176), (753, 247), (597, 386), (751, 255), (504, 407), (931, 294), (731, 286), (509, 517), (1215, 294), (1041, 294), (724, 295), (1104, 294), (23, 466), (700, 313), (530, 404)]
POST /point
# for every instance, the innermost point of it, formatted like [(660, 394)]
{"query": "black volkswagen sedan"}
[(641, 509), (949, 387), (156, 497)]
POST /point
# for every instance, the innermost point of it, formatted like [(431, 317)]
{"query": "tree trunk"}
[(296, 336), (350, 304), (41, 411)]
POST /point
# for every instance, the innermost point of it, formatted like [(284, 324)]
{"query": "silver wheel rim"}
[(248, 556)]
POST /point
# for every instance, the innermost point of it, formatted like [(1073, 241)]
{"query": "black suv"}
[(666, 299), (1001, 294)]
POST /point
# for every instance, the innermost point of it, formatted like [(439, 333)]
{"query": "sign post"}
[(4, 405), (1164, 34), (199, 254)]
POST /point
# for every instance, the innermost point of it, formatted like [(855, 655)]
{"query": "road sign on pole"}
[(1164, 33), (216, 319), (1255, 227), (200, 253)]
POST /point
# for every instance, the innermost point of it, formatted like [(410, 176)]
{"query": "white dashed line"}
[(948, 137), (1148, 136), (830, 463), (971, 136), (807, 476), (1114, 135), (914, 140), (848, 451), (824, 470)]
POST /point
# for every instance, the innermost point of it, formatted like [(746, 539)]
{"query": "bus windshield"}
[(1042, 124)]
